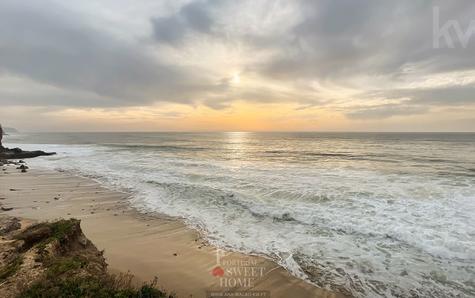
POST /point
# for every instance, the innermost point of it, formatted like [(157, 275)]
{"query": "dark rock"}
[(284, 217), (17, 153), (63, 231), (9, 224), (35, 234), (6, 208)]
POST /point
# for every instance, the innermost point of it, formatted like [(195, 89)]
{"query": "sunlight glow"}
[(236, 78)]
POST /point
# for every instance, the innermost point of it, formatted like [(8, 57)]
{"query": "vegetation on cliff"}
[(56, 260)]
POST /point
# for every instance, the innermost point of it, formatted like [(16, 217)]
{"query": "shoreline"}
[(147, 246)]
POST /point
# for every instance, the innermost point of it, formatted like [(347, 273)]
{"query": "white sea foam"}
[(372, 228)]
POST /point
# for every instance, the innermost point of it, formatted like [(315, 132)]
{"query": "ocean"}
[(378, 214)]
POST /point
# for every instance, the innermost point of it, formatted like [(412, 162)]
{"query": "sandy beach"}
[(147, 246)]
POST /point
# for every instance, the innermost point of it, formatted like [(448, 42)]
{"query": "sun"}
[(236, 79)]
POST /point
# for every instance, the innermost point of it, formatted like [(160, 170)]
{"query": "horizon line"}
[(246, 131)]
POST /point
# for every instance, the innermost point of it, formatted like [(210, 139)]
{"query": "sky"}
[(247, 65)]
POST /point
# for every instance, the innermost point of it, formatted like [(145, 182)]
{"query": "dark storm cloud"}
[(52, 45)]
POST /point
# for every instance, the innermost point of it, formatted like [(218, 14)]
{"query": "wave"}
[(157, 147), (290, 152), (368, 231)]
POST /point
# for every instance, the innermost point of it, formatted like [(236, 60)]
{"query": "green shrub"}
[(88, 287), (62, 265), (10, 269)]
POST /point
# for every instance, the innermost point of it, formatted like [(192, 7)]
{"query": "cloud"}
[(447, 96), (380, 38), (23, 91), (386, 111), (376, 57), (414, 101), (52, 45), (169, 29), (192, 17)]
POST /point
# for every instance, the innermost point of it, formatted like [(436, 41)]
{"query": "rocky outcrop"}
[(56, 260), (17, 153), (8, 225)]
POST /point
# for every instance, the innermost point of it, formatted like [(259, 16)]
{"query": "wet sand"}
[(147, 246)]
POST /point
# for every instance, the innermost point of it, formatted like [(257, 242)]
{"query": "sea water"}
[(375, 214)]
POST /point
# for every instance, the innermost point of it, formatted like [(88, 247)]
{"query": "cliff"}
[(56, 259)]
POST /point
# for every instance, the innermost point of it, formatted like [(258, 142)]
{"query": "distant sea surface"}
[(378, 214)]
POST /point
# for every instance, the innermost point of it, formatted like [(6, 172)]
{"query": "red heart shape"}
[(217, 271)]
